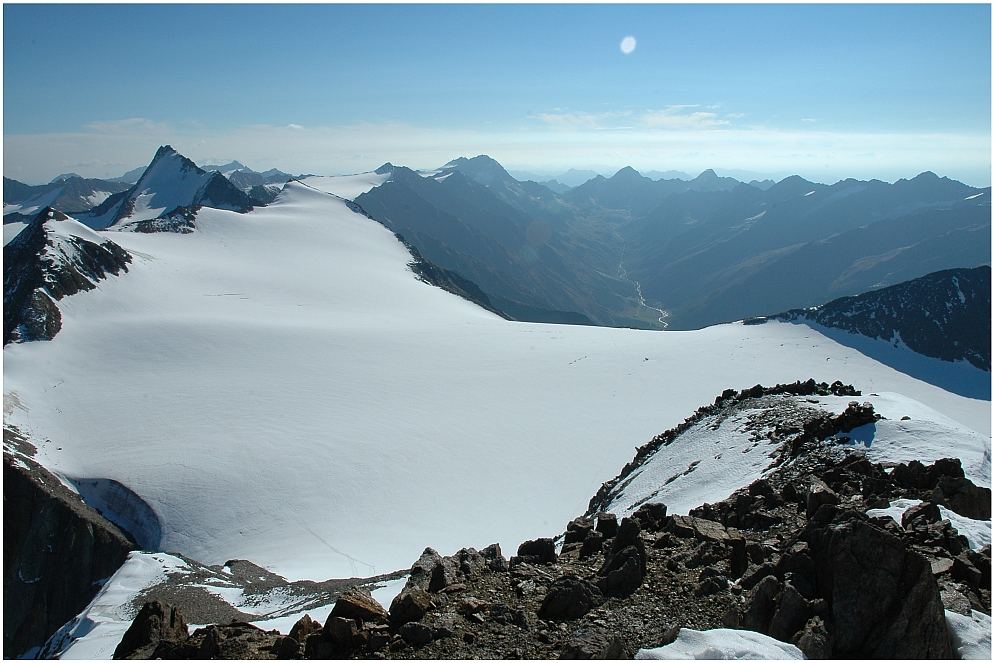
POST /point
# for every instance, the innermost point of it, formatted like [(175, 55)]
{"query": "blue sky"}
[(827, 91)]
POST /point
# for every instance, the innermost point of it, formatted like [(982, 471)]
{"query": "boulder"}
[(791, 614), (818, 494), (607, 524), (569, 597), (760, 604), (470, 562), (624, 568), (422, 570), (409, 606), (357, 604), (594, 644), (495, 560), (813, 640), (416, 634), (882, 598), (651, 517), (537, 551), (912, 475), (287, 648), (925, 513), (445, 573), (155, 622), (578, 529), (304, 627), (592, 544)]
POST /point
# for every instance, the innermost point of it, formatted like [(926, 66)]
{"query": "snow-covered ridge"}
[(52, 257), (170, 182)]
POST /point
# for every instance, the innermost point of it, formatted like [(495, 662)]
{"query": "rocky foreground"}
[(794, 555)]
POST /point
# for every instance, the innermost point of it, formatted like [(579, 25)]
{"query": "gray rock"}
[(538, 551), (813, 640), (569, 597), (883, 600), (416, 634), (927, 512), (594, 644), (359, 605), (155, 622), (819, 494), (409, 606)]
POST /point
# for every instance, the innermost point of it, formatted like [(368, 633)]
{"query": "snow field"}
[(278, 386)]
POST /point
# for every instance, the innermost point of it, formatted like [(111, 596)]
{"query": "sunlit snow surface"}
[(722, 644), (347, 186), (280, 387), (972, 636)]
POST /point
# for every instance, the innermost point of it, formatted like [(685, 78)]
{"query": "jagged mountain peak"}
[(385, 169), (706, 175), (481, 168), (170, 181)]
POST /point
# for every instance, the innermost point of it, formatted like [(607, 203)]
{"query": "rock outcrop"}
[(53, 257), (56, 550)]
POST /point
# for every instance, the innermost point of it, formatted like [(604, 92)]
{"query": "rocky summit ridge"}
[(794, 555)]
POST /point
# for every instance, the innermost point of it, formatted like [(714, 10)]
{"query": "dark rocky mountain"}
[(69, 193), (53, 257), (946, 314), (715, 257), (638, 195), (57, 550), (171, 181), (506, 237), (793, 556), (705, 250)]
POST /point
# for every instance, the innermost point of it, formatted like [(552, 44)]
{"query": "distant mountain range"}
[(626, 250), (69, 193)]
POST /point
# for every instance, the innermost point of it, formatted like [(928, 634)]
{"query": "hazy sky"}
[(826, 91)]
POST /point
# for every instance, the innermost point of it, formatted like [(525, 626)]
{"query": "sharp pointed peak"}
[(627, 172)]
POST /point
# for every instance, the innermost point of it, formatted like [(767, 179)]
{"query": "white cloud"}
[(673, 117)]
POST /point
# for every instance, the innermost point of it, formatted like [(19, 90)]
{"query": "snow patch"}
[(972, 636), (722, 644), (349, 187)]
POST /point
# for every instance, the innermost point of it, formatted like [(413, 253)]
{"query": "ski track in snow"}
[(340, 415)]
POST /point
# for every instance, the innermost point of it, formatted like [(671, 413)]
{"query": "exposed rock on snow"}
[(53, 257)]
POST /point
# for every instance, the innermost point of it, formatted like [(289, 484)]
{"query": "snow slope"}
[(347, 186), (278, 386)]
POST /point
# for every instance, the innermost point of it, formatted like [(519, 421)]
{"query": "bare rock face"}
[(882, 598), (56, 549), (48, 260), (156, 622)]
